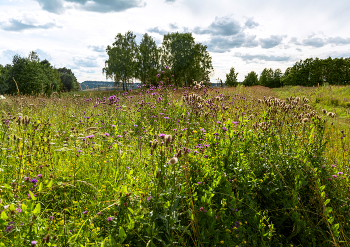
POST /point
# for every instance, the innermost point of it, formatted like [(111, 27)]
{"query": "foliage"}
[(270, 78), (148, 60), (186, 59), (29, 76), (121, 64), (168, 167), (313, 72), (231, 78), (251, 79)]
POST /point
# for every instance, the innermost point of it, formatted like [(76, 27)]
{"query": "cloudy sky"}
[(249, 35)]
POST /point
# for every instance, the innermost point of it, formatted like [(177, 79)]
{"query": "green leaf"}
[(122, 234), (40, 187), (330, 220), (328, 210), (37, 209), (49, 185), (327, 201), (4, 215)]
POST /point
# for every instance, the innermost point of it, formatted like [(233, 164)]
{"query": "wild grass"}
[(169, 167)]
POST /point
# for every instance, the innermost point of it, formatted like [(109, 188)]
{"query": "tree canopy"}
[(231, 78), (251, 79), (121, 64)]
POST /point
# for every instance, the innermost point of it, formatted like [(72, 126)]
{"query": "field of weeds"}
[(172, 167)]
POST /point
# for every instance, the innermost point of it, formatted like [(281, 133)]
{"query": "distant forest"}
[(179, 61)]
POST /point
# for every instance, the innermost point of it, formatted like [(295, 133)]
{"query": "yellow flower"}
[(222, 242)]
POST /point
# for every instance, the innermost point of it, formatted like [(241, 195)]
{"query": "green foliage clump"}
[(231, 78), (251, 79)]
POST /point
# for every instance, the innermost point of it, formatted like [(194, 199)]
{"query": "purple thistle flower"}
[(199, 182), (335, 176), (113, 126), (340, 173), (158, 75), (40, 175), (162, 72), (106, 134), (149, 198), (34, 181), (162, 135), (85, 212), (109, 218), (166, 117), (33, 243)]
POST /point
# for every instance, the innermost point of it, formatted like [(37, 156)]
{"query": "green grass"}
[(249, 170)]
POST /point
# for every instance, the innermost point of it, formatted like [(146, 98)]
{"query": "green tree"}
[(266, 78), (30, 76), (201, 67), (121, 63), (178, 54), (148, 60), (68, 79), (251, 79), (231, 78)]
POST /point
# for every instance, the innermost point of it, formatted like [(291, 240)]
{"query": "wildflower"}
[(33, 243), (172, 75), (162, 72), (335, 176), (39, 175), (173, 160), (158, 75), (113, 126), (222, 242), (34, 181), (109, 218), (199, 182), (149, 198), (162, 135), (106, 134), (201, 209), (224, 129), (340, 173), (166, 67), (203, 130), (85, 212)]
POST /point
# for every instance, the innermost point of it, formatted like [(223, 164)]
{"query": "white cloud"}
[(248, 35)]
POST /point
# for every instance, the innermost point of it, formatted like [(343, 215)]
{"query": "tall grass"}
[(169, 167)]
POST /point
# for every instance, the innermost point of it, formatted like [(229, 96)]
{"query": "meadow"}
[(161, 166)]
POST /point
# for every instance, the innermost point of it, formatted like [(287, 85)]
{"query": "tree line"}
[(308, 73), (178, 60), (29, 75)]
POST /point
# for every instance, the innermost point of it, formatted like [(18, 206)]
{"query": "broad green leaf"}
[(4, 215), (122, 234), (37, 209)]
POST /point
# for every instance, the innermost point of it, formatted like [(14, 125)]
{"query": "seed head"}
[(173, 160)]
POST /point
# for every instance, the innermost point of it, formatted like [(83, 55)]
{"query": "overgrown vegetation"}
[(169, 167)]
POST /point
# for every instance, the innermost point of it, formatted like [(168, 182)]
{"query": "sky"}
[(249, 35)]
